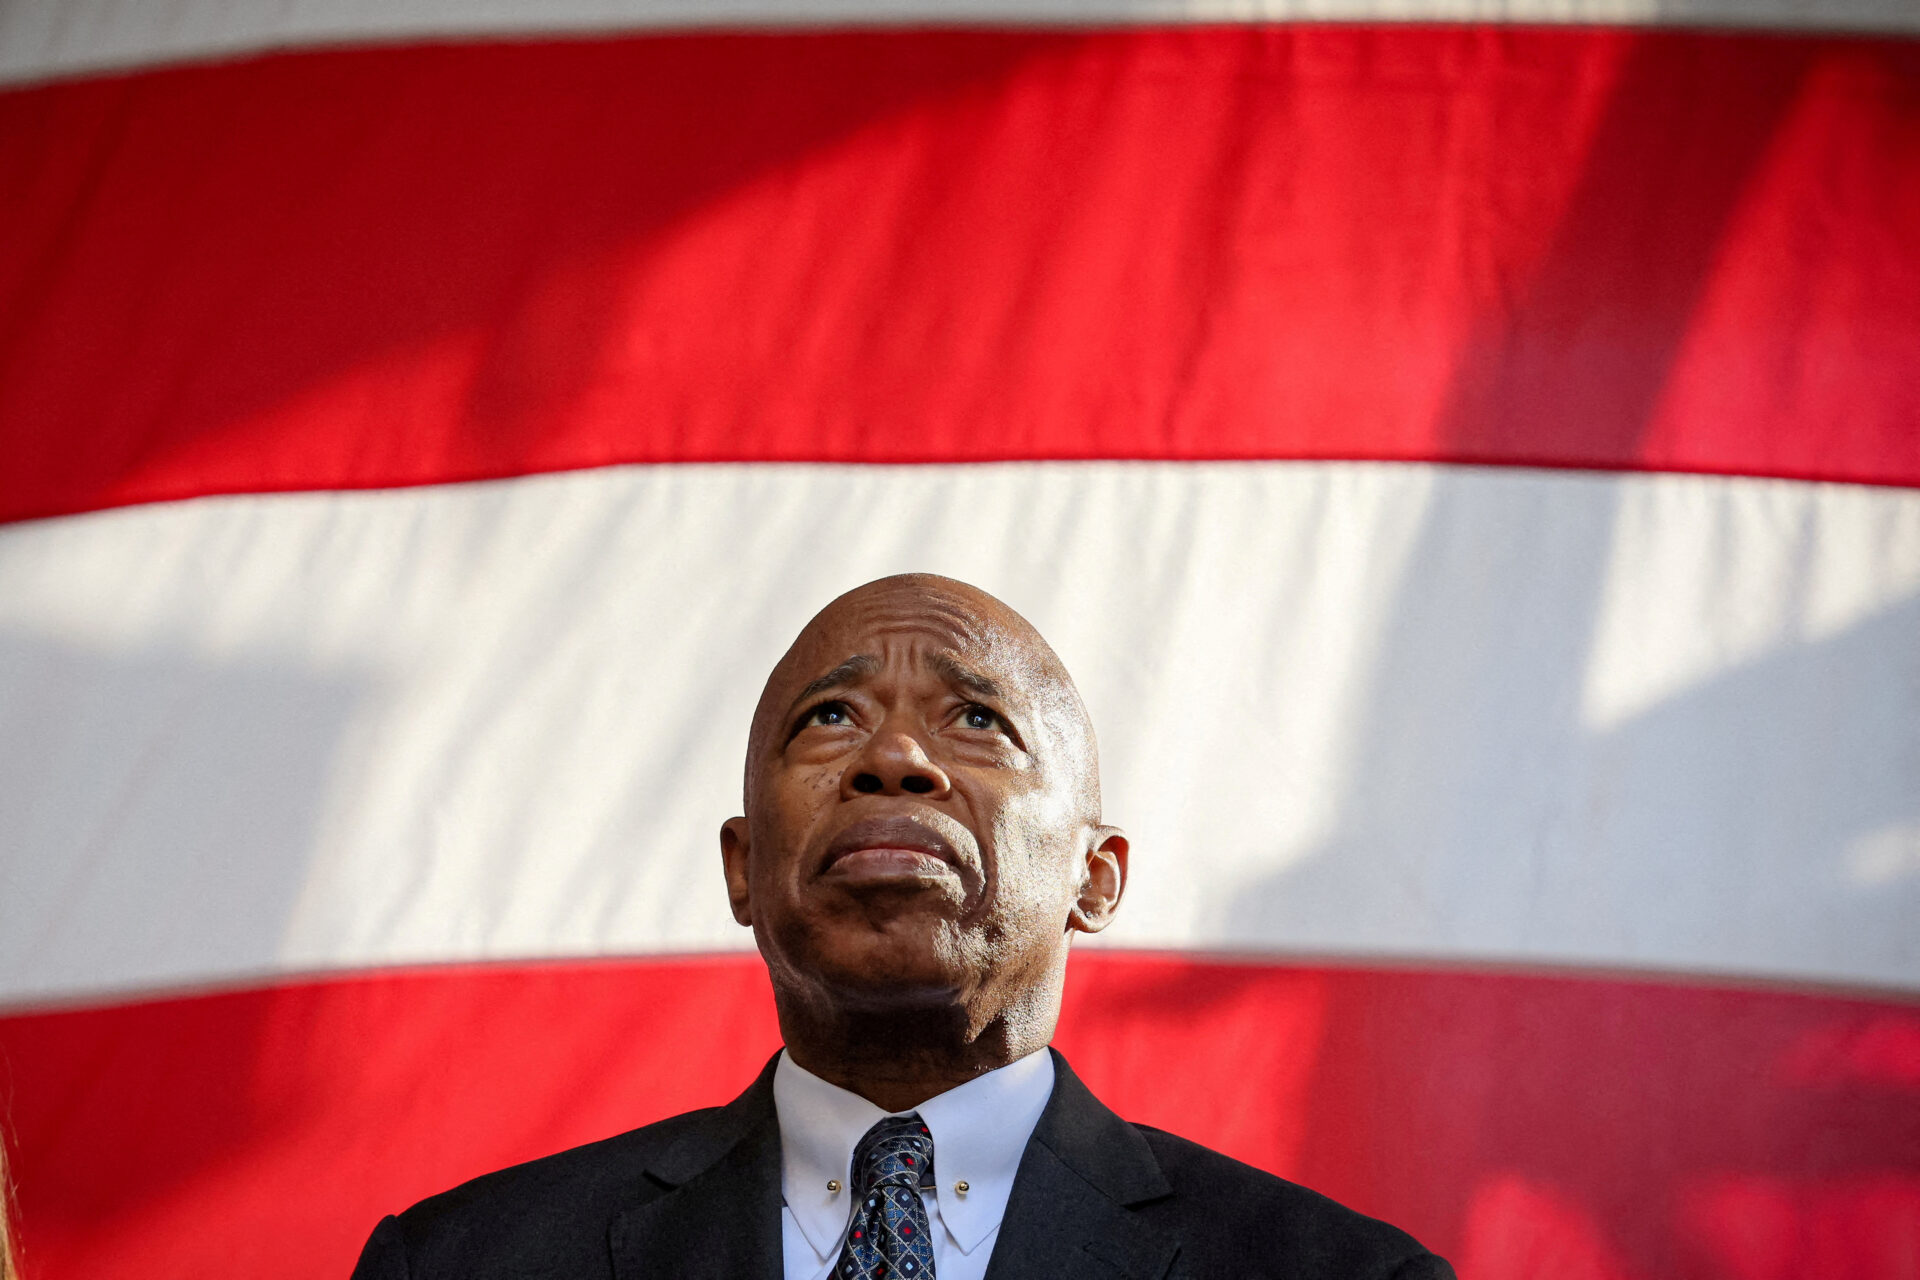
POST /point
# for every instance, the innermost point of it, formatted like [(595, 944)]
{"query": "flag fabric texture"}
[(1469, 457)]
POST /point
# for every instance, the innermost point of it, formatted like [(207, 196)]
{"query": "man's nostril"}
[(916, 784), (866, 782)]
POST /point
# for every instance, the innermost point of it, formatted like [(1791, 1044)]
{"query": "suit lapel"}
[(1070, 1213), (716, 1207)]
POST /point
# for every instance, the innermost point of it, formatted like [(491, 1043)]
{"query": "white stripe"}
[(1404, 710), (40, 38)]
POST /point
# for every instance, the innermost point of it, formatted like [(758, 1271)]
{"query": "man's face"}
[(921, 825)]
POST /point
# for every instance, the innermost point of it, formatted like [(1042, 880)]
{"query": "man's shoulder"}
[(613, 1163), (1234, 1219), (542, 1210)]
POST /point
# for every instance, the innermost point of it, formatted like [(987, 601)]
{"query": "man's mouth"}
[(896, 850)]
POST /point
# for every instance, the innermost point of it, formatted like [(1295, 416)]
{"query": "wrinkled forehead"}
[(877, 620)]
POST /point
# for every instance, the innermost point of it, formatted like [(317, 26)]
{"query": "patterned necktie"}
[(888, 1237)]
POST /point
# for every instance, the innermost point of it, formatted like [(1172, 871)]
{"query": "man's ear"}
[(733, 861), (1103, 879)]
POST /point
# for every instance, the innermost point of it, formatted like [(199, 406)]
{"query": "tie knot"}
[(896, 1152)]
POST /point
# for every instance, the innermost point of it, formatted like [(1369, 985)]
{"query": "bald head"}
[(973, 638)]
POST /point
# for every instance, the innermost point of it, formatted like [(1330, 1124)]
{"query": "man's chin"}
[(890, 971)]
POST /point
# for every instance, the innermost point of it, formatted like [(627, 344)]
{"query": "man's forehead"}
[(859, 638), (933, 611)]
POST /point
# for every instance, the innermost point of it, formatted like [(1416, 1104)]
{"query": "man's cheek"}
[(818, 786), (1040, 813)]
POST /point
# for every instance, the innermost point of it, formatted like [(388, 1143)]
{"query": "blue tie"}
[(888, 1238)]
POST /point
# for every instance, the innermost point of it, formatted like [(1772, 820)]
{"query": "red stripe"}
[(1526, 1125), (1585, 247)]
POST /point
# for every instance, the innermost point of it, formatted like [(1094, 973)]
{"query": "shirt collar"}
[(980, 1131)]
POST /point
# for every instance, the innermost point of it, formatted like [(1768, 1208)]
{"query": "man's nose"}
[(894, 763)]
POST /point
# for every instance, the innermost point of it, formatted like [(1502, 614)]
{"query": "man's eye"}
[(827, 713), (978, 717)]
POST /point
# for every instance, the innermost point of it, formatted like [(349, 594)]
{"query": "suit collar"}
[(718, 1213), (717, 1131), (1097, 1144), (1069, 1217), (1071, 1212)]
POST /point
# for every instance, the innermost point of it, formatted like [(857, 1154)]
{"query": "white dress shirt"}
[(980, 1131)]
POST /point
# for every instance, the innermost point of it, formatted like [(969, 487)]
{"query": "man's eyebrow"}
[(860, 664), (965, 678)]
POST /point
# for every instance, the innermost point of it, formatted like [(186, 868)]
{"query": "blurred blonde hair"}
[(9, 1263)]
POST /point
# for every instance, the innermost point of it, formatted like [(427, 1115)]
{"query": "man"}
[(922, 839)]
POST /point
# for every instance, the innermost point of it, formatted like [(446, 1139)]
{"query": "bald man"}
[(922, 840)]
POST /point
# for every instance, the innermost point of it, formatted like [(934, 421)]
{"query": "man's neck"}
[(898, 1059)]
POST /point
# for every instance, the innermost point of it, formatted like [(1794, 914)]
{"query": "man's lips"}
[(878, 850)]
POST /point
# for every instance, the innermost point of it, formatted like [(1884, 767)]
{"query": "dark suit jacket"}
[(699, 1195)]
